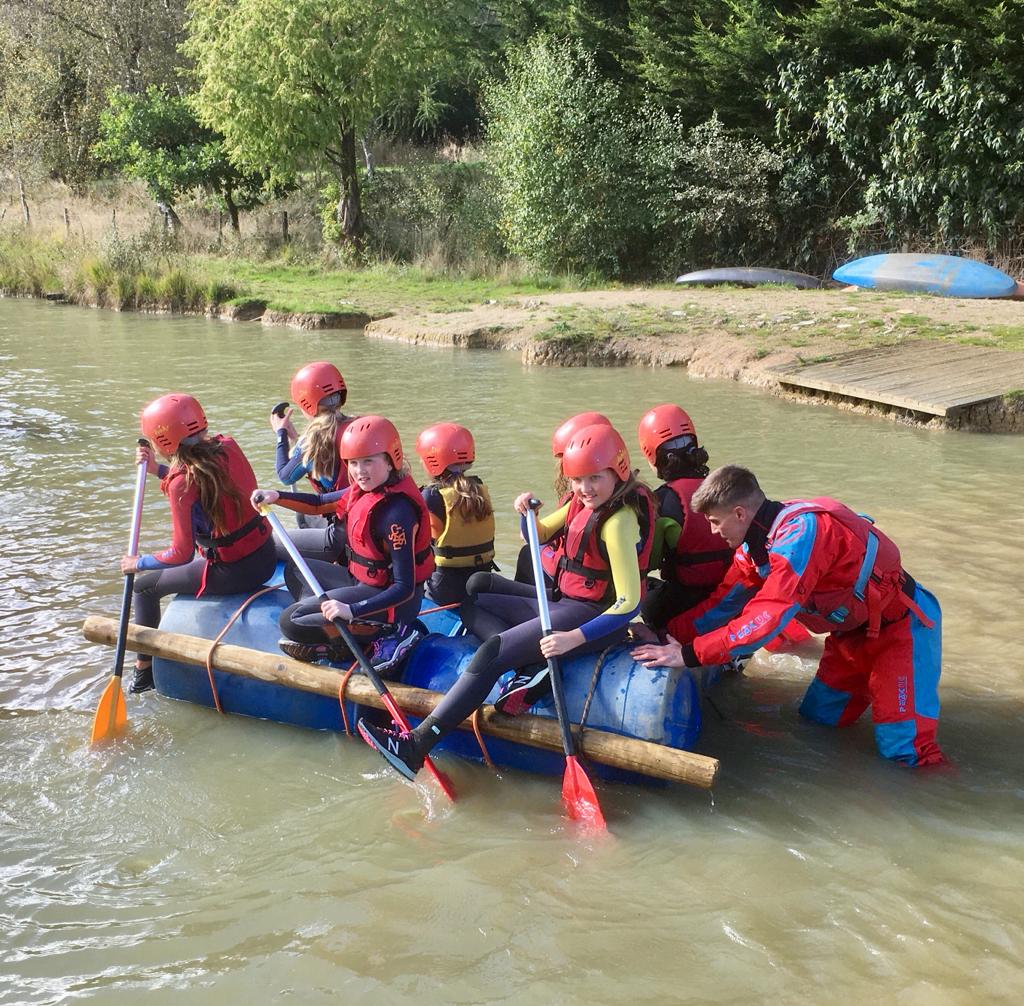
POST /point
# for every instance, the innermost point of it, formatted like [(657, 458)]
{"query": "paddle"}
[(111, 714), (357, 651), (577, 792)]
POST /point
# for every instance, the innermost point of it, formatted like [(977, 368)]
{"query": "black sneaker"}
[(525, 688), (396, 746), (389, 651), (142, 679), (330, 654)]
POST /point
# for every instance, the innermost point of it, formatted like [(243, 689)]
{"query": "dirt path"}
[(728, 333)]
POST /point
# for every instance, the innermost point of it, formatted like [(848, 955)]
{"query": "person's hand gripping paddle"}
[(577, 792), (339, 623), (111, 714)]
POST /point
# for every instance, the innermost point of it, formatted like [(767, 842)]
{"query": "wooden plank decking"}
[(932, 377)]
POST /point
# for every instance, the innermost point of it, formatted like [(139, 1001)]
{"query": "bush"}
[(444, 214), (584, 177), (728, 207)]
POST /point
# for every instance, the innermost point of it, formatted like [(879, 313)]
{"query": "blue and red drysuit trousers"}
[(897, 674)]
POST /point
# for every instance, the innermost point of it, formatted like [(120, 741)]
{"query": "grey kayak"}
[(750, 277)]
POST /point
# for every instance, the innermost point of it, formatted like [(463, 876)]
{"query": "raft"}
[(656, 705)]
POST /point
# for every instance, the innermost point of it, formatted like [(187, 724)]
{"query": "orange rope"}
[(441, 607), (341, 696), (223, 632), (475, 720)]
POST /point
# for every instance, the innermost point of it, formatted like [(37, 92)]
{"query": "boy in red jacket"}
[(829, 568)]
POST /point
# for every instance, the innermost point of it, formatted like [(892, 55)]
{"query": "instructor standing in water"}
[(829, 568)]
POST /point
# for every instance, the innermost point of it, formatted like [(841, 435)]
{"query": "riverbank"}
[(747, 335)]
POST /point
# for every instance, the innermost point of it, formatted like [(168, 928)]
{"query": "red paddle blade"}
[(403, 724), (442, 780), (579, 797)]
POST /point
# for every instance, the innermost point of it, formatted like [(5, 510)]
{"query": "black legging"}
[(503, 613), (241, 577)]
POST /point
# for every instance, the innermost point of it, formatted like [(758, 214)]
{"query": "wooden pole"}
[(628, 753)]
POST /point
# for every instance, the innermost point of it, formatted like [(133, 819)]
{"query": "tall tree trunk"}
[(24, 202), (172, 222), (232, 209), (350, 213)]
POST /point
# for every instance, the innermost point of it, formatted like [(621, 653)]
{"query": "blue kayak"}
[(945, 275), (661, 705)]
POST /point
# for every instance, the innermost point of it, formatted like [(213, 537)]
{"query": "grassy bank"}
[(867, 320), (138, 274), (149, 273)]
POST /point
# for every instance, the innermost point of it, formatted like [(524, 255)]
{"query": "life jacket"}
[(549, 550), (881, 592), (341, 473), (464, 543), (579, 563), (701, 556), (245, 530), (367, 560)]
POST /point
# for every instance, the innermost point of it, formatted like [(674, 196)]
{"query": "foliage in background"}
[(59, 58), (583, 176), (729, 206), (291, 84), (444, 214), (156, 138), (917, 112)]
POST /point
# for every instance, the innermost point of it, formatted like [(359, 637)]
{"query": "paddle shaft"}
[(129, 578), (545, 623), (339, 623), (357, 651)]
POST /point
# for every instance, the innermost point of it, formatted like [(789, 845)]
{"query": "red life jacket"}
[(367, 560), (245, 530), (579, 560), (879, 592), (552, 548), (701, 556), (341, 474)]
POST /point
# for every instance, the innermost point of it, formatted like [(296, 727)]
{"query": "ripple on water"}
[(223, 860)]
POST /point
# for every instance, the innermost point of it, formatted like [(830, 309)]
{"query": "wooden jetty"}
[(933, 377)]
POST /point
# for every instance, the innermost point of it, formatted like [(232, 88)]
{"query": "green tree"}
[(62, 57), (915, 110), (291, 84), (584, 177), (157, 138)]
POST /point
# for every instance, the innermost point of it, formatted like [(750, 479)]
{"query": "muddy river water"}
[(221, 860)]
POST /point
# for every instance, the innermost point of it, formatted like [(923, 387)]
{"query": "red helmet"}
[(369, 435), (316, 381), (445, 444), (561, 437), (663, 422), (170, 419), (593, 449)]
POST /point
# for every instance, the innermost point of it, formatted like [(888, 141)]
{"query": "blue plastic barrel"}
[(660, 704)]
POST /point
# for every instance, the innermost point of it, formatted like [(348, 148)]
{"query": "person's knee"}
[(485, 656), (478, 583)]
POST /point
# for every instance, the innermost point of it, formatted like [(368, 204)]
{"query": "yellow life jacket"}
[(463, 543)]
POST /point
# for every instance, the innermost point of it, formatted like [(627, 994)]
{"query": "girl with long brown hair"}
[(207, 483)]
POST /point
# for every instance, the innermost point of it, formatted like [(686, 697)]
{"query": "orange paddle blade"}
[(111, 714), (580, 798)]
